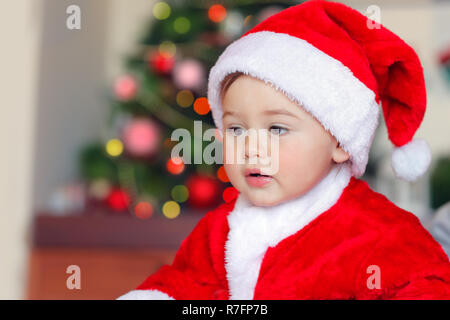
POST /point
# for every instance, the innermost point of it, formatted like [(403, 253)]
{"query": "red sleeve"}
[(191, 275), (411, 265)]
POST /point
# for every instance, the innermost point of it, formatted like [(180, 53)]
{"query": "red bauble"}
[(118, 199), (204, 191), (161, 63)]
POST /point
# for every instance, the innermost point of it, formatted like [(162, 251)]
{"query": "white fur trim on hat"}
[(325, 87), (145, 295), (411, 160)]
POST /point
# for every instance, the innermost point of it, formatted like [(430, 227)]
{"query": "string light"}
[(143, 210), (180, 193), (114, 147), (171, 209), (185, 98), (182, 25), (175, 165), (167, 49), (217, 13), (201, 106), (161, 10)]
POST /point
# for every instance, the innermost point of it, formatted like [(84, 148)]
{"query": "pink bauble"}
[(189, 74), (125, 87), (141, 137)]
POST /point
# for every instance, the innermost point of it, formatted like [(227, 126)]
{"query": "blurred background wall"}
[(53, 81), (54, 99), (20, 35)]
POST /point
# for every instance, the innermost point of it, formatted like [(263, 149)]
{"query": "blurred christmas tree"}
[(164, 88)]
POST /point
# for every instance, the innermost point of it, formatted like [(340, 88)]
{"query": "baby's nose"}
[(255, 143)]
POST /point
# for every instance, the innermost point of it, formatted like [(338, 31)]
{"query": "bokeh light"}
[(125, 87), (161, 10), (185, 98), (217, 13), (180, 193), (114, 147), (143, 210), (201, 106), (175, 165), (182, 25), (171, 209), (167, 49)]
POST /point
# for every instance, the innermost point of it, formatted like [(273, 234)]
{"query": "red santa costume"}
[(331, 242)]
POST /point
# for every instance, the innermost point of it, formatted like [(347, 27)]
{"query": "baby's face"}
[(306, 151)]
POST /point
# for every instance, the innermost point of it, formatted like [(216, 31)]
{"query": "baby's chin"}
[(264, 200)]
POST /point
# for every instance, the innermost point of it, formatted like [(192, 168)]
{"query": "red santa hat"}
[(330, 59)]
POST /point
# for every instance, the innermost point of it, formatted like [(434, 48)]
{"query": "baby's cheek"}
[(294, 162)]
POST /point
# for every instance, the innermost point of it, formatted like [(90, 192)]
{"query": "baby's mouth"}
[(255, 178)]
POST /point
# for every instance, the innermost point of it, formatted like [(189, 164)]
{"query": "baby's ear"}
[(218, 135), (339, 154)]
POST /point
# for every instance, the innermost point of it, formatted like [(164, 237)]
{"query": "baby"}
[(312, 78)]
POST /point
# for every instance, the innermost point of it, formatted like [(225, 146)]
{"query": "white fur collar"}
[(253, 229)]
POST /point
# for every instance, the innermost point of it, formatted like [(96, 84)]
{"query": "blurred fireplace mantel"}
[(114, 251), (110, 229)]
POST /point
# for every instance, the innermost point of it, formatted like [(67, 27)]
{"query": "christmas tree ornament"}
[(141, 137), (217, 13), (175, 165), (114, 147), (143, 210), (180, 193), (161, 63), (161, 10), (189, 74), (125, 87), (201, 106), (204, 191), (118, 199), (185, 98), (182, 25), (167, 49), (171, 209)]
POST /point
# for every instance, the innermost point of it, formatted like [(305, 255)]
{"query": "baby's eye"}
[(237, 131), (277, 130)]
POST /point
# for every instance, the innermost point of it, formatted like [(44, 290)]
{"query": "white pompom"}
[(411, 160)]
